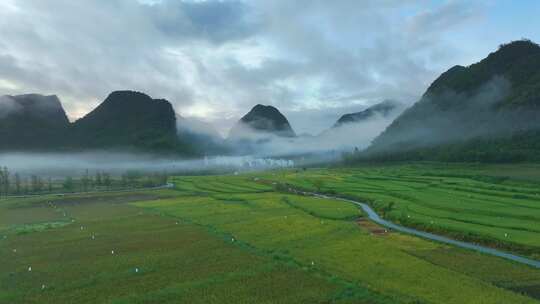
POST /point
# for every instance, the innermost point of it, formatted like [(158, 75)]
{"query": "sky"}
[(313, 59)]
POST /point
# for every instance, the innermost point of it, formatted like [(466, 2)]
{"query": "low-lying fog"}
[(76, 164), (261, 152), (334, 140)]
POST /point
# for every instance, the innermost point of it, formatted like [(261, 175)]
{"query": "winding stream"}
[(372, 215)]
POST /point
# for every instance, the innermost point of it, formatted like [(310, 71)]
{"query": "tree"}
[(85, 181), (68, 184), (4, 181), (17, 183), (131, 177), (26, 186), (107, 180), (164, 178), (7, 181), (49, 184), (36, 183), (123, 180), (1, 181), (99, 178)]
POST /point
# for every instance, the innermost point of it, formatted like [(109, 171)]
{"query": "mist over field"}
[(261, 151), (343, 138), (264, 131), (75, 164)]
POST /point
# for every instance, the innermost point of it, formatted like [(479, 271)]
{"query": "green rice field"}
[(493, 205), (240, 239)]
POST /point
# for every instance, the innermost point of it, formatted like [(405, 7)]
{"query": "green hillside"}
[(489, 111)]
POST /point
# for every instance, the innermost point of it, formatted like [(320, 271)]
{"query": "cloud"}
[(443, 18), (214, 21), (331, 142), (84, 50), (216, 59)]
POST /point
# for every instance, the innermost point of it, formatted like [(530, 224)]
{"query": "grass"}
[(312, 232), (177, 261), (324, 208), (235, 239), (488, 204)]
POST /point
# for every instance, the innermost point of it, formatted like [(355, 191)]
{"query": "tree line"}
[(14, 184)]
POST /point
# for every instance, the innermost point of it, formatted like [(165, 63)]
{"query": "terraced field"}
[(479, 204), (107, 251), (238, 239), (321, 234)]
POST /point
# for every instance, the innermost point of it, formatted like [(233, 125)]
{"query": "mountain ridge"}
[(124, 120), (122, 114), (488, 102), (31, 121), (383, 109), (263, 119)]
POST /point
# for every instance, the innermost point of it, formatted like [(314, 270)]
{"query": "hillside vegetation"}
[(495, 205), (489, 111)]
